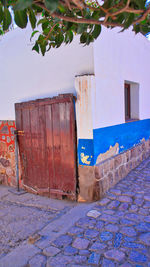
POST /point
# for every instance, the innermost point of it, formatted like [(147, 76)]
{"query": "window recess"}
[(131, 92)]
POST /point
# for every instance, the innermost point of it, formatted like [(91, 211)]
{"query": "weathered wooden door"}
[(47, 145)]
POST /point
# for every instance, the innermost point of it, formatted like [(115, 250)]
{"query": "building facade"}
[(110, 80)]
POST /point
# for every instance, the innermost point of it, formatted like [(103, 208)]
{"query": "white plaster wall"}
[(85, 88), (120, 57), (25, 75)]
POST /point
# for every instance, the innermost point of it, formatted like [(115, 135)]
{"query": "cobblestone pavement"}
[(112, 232), (22, 216)]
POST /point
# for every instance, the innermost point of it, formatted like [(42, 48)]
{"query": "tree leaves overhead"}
[(32, 18), (1, 14), (22, 4), (96, 32), (51, 5), (21, 18), (57, 21), (6, 19)]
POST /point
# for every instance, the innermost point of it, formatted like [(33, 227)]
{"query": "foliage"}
[(60, 20)]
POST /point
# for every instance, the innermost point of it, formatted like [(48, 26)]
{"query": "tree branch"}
[(107, 15), (120, 10), (80, 20), (46, 38), (143, 17)]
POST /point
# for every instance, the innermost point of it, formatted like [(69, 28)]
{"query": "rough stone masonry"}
[(7, 153)]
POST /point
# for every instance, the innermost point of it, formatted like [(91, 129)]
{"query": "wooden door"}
[(47, 145)]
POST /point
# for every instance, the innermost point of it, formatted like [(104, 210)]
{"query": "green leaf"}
[(33, 33), (144, 22), (83, 37), (51, 5), (145, 29), (87, 13), (45, 25), (90, 39), (86, 38), (42, 42), (1, 32), (82, 28), (68, 25), (96, 32), (43, 47), (56, 20), (21, 18), (6, 19), (46, 31), (59, 39), (36, 47), (62, 9), (41, 21), (129, 21), (97, 15), (120, 18), (37, 8), (22, 4), (32, 18), (70, 36), (1, 14), (141, 4), (136, 28), (49, 47)]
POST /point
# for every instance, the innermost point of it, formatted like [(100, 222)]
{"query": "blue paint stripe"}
[(126, 135), (86, 152)]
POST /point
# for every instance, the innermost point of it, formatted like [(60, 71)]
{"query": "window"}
[(127, 102), (131, 101)]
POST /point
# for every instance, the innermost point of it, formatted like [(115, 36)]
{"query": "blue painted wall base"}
[(124, 136)]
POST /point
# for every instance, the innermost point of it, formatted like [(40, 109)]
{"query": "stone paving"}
[(22, 216), (113, 232)]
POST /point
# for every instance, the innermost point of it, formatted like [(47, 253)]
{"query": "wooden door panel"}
[(56, 146), (48, 145), (35, 136)]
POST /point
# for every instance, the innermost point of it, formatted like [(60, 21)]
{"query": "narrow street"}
[(37, 231)]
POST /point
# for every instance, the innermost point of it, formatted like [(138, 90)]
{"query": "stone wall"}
[(7, 153), (94, 181)]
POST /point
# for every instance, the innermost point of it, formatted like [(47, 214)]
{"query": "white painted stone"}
[(51, 251), (93, 213), (114, 254)]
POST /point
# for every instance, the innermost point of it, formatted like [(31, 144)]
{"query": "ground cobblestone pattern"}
[(22, 220), (116, 232)]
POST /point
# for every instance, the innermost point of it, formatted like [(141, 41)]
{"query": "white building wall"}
[(120, 57), (25, 75), (85, 88)]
